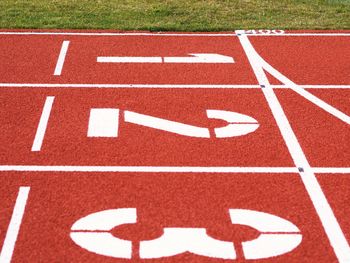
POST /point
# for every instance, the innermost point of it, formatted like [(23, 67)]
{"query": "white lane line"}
[(168, 169), (329, 86), (162, 86), (171, 34), (121, 34), (302, 35), (14, 226), (40, 132), (330, 224), (147, 169), (331, 170), (61, 58), (119, 86)]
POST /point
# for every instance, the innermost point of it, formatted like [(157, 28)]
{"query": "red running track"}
[(198, 147)]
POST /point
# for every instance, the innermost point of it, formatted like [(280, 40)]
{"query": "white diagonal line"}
[(61, 58), (14, 226), (40, 132)]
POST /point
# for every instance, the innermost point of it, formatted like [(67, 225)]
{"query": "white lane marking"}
[(331, 170), (40, 132), (323, 209), (303, 35), (61, 58), (148, 169), (307, 95), (168, 169), (121, 34), (193, 58), (14, 226), (171, 34), (316, 86), (170, 86), (103, 122), (162, 86)]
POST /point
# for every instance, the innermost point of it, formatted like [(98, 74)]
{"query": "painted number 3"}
[(277, 236)]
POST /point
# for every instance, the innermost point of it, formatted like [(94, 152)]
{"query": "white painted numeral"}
[(277, 237)]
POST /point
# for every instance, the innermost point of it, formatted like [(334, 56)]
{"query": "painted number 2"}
[(104, 122), (277, 236)]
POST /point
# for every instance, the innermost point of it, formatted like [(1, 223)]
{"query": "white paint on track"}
[(44, 119), (33, 33), (61, 58), (330, 224), (161, 86), (14, 226), (168, 169)]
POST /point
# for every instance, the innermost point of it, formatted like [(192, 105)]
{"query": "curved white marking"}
[(104, 243), (239, 124), (176, 241), (106, 220), (283, 235), (270, 245), (261, 221)]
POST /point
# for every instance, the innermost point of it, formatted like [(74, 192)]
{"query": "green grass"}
[(175, 15)]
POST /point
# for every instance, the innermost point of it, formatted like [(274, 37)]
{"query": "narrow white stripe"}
[(118, 86), (329, 86), (171, 34), (40, 132), (61, 58), (323, 209), (181, 86), (120, 34), (148, 169), (162, 86), (302, 35), (331, 170), (14, 226), (168, 169)]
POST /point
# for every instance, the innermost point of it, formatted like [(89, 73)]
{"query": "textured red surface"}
[(337, 189), (307, 60)]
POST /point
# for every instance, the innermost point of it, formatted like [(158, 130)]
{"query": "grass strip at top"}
[(175, 15)]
